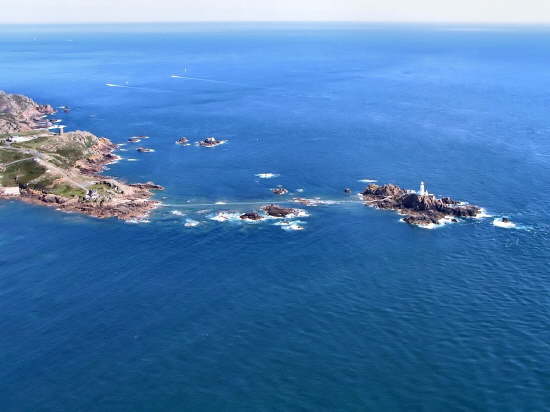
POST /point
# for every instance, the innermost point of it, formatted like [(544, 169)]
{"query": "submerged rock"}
[(145, 150)]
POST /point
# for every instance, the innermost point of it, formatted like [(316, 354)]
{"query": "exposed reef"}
[(211, 142), (251, 216), (278, 211), (420, 208), (280, 191)]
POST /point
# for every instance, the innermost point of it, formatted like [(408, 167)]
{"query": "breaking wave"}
[(267, 175), (191, 223), (504, 225)]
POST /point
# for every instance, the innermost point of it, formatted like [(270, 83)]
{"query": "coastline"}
[(64, 170)]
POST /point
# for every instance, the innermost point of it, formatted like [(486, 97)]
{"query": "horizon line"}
[(427, 22)]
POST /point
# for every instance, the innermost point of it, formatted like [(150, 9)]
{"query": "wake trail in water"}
[(265, 202), (125, 86), (177, 76)]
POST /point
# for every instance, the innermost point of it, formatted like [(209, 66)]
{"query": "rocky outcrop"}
[(280, 191), (135, 205), (148, 186), (419, 209), (278, 211), (98, 154), (20, 113), (211, 142), (251, 216)]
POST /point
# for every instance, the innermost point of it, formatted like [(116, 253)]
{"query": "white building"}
[(10, 191)]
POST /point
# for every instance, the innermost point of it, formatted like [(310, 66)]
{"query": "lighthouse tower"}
[(422, 191)]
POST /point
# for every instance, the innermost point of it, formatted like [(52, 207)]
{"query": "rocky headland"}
[(62, 170), (420, 208), (22, 114)]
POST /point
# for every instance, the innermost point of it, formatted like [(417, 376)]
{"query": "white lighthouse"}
[(422, 191)]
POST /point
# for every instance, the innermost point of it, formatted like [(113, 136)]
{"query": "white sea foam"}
[(121, 144), (505, 225), (290, 225), (226, 217), (313, 202), (191, 223), (367, 180), (220, 142), (115, 85), (299, 190), (220, 203), (177, 213), (132, 160), (482, 214), (267, 175), (136, 221)]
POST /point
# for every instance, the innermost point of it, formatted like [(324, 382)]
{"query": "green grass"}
[(70, 154), (7, 156), (101, 188), (43, 184), (66, 190), (21, 173)]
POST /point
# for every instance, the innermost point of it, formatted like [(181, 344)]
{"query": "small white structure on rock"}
[(422, 191)]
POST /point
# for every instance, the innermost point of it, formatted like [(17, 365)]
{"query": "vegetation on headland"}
[(8, 156), (21, 173), (62, 170)]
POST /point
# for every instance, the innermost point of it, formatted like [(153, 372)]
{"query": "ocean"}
[(358, 311)]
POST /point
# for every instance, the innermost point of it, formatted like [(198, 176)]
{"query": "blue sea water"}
[(358, 312)]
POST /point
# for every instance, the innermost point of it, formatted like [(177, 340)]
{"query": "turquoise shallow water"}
[(356, 312)]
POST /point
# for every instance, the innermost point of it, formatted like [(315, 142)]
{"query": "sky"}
[(82, 11)]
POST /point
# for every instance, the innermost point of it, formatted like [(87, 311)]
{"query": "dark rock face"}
[(420, 209), (210, 142), (148, 186), (280, 191), (251, 216), (278, 211)]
